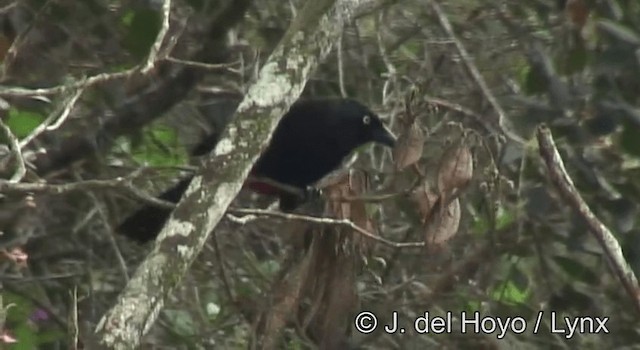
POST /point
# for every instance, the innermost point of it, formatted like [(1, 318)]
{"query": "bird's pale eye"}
[(366, 120)]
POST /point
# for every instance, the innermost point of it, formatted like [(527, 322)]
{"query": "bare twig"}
[(208, 66), (119, 183), (610, 246), (74, 328), (464, 110), (109, 233), (475, 73), (87, 82), (21, 169), (392, 72), (223, 271), (157, 44), (55, 119), (327, 221), (340, 55), (102, 77)]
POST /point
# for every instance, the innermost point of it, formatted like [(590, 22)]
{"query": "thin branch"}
[(157, 44), (21, 169), (464, 110), (340, 56), (99, 207), (208, 66), (87, 82), (55, 119), (98, 78), (610, 246), (326, 221), (119, 183), (102, 77), (392, 72), (475, 73)]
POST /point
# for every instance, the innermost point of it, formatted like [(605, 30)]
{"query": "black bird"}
[(312, 140)]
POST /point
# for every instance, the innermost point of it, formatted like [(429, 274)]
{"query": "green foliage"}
[(23, 122), (28, 333), (504, 218), (142, 27), (509, 292), (160, 147)]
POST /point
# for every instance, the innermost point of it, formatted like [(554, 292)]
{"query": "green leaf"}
[(21, 307), (26, 338), (472, 305), (51, 336), (23, 122), (508, 292), (164, 134), (159, 147), (143, 27), (505, 218)]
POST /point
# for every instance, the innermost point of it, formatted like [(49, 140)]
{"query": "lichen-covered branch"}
[(610, 246), (279, 83)]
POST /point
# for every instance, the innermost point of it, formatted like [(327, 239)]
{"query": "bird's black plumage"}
[(311, 140)]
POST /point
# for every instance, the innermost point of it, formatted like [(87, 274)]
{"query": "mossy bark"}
[(280, 82)]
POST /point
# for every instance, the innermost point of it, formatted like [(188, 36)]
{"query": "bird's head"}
[(365, 123)]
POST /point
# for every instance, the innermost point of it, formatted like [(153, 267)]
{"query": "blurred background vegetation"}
[(574, 65)]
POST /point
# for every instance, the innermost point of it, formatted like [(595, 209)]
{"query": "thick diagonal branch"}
[(280, 82), (610, 246)]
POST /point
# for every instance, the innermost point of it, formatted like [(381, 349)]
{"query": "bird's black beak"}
[(384, 136)]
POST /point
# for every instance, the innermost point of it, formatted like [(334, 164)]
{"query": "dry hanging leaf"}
[(409, 147), (17, 256), (425, 198), (349, 185), (456, 169), (444, 224)]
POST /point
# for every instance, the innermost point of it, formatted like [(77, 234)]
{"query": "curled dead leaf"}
[(443, 225), (17, 256), (456, 169), (409, 147), (425, 199), (349, 184)]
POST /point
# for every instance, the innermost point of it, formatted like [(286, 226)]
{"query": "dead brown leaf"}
[(408, 150), (444, 224), (425, 198), (456, 169)]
